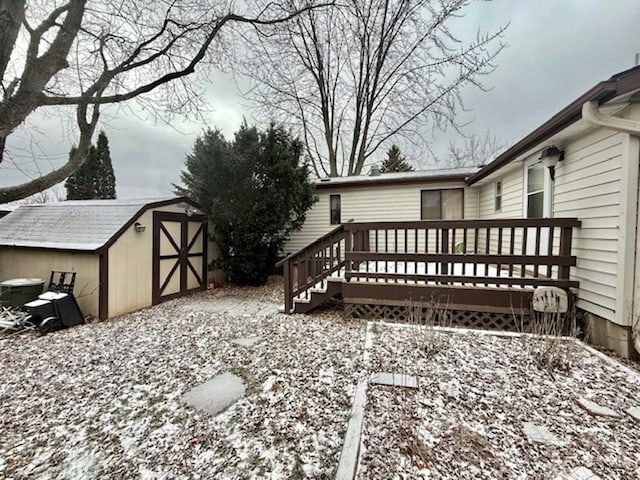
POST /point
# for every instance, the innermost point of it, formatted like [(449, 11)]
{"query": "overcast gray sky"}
[(557, 49)]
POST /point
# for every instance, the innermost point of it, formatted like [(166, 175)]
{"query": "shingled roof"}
[(398, 178), (84, 225)]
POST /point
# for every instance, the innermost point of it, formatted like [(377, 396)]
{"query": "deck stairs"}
[(315, 296), (316, 273)]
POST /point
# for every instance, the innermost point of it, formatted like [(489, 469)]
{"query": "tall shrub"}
[(255, 191)]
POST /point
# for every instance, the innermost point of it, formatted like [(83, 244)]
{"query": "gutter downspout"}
[(628, 269), (592, 114)]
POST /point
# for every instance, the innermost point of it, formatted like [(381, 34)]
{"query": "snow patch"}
[(216, 394)]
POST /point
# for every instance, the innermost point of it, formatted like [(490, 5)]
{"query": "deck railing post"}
[(366, 241), (348, 249), (444, 267), (301, 271), (565, 251), (288, 287)]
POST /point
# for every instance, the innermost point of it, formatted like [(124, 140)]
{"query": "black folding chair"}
[(62, 282)]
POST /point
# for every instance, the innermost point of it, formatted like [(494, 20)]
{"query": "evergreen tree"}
[(255, 193), (95, 179), (80, 185), (395, 162), (104, 180)]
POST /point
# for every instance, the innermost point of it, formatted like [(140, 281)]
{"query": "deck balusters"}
[(488, 259)]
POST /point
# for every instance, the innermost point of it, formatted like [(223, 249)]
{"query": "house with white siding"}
[(582, 163), (423, 195)]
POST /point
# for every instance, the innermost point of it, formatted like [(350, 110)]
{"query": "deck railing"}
[(510, 253), (311, 266)]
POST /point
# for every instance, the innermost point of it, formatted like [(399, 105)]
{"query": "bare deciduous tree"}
[(83, 55), (352, 77), (472, 150), (51, 195)]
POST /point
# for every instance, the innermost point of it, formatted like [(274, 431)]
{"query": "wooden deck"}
[(476, 265)]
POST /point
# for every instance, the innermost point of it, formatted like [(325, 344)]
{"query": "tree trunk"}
[(11, 17)]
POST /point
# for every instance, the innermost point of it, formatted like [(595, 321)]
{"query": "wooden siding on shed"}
[(30, 263), (130, 266), (371, 204)]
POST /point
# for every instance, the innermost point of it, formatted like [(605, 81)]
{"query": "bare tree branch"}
[(472, 150), (83, 55), (367, 72)]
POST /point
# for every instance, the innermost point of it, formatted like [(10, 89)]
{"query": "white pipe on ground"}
[(592, 114)]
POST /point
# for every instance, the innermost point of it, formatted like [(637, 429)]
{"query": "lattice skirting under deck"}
[(433, 316)]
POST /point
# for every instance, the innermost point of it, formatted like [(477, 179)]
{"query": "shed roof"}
[(84, 225)]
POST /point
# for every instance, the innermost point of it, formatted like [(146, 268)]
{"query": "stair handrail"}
[(339, 233)]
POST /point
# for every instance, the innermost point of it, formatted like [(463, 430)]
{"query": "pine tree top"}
[(395, 161), (95, 179)]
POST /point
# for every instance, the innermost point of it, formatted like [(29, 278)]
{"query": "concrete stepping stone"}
[(217, 394), (580, 473), (394, 380), (597, 410), (541, 434), (269, 311), (634, 412), (246, 341)]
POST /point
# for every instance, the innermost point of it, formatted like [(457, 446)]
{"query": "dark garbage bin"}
[(40, 310), (66, 307), (54, 310), (18, 291)]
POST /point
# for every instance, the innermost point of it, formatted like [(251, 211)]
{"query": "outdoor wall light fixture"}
[(550, 157), (139, 227)]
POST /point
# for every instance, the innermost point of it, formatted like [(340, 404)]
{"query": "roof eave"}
[(132, 220), (88, 251), (393, 181), (602, 92)]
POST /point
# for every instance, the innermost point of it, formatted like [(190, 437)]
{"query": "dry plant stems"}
[(459, 440), (413, 443), (427, 316), (548, 345)]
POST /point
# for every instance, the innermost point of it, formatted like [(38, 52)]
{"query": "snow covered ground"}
[(477, 393), (105, 400)]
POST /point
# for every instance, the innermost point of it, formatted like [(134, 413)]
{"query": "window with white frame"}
[(497, 203), (535, 190)]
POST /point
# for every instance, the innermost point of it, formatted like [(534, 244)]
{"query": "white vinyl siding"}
[(512, 188), (511, 196), (587, 186), (371, 204)]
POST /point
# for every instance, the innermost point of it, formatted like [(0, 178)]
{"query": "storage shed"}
[(127, 254)]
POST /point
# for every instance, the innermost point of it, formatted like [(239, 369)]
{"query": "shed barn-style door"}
[(179, 255)]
